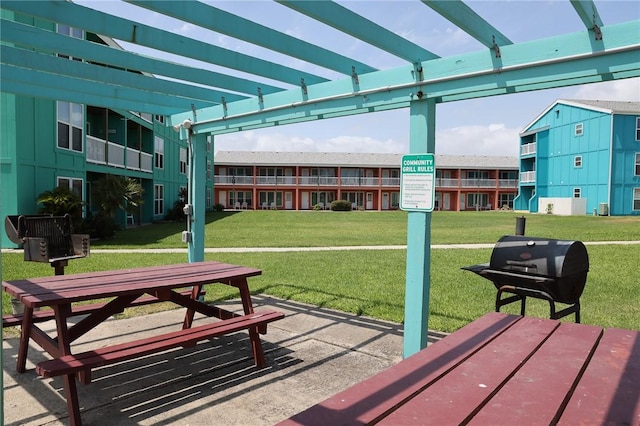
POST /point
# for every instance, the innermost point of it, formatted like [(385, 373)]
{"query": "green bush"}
[(341, 206), (218, 207)]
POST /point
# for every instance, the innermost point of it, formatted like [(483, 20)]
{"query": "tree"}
[(112, 193)]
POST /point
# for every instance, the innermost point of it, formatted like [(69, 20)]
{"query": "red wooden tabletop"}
[(501, 370), (94, 285)]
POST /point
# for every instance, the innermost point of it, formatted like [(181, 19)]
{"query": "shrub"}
[(218, 207), (316, 207), (102, 226), (341, 206)]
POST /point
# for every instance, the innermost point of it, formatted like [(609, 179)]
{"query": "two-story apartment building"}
[(302, 180), (587, 150)]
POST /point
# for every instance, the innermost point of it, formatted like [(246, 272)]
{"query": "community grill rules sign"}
[(416, 182)]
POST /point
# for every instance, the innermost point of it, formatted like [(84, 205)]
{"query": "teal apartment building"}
[(46, 144), (581, 157)]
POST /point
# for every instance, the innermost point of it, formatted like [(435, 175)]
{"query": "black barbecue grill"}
[(47, 239), (542, 268)]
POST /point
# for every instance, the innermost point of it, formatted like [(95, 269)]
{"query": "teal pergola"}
[(202, 102)]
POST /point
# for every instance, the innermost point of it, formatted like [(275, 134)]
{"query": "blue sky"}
[(487, 126)]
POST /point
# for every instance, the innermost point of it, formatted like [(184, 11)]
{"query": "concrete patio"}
[(312, 354)]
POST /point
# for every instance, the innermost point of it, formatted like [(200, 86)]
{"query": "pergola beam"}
[(343, 19), (223, 22), (118, 28)]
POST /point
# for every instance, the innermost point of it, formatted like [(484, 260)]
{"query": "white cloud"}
[(494, 139), (617, 90)]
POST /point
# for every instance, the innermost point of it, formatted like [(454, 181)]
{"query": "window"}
[(269, 198), (158, 199), (208, 170), (183, 161), (70, 124), (577, 192), (577, 161), (637, 164), (241, 197), (477, 201), (636, 198), (209, 143), (75, 185), (70, 32), (158, 155), (505, 200), (208, 196), (638, 129), (159, 118), (579, 129)]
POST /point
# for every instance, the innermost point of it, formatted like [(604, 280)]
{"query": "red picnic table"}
[(500, 370), (126, 288)]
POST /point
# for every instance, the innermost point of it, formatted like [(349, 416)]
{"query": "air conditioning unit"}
[(603, 209)]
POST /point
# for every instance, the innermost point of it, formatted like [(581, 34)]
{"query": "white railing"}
[(115, 154), (100, 151), (390, 181), (447, 182), (146, 162), (133, 159), (96, 150), (314, 181), (528, 149), (478, 183), (507, 183), (527, 177)]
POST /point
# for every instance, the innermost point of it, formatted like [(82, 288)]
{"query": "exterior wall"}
[(623, 176), (606, 148)]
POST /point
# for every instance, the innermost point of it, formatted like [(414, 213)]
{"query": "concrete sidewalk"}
[(312, 354)]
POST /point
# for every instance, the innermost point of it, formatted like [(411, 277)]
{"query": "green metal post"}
[(197, 192), (418, 280)]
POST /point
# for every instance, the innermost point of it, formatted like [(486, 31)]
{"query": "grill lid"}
[(539, 256)]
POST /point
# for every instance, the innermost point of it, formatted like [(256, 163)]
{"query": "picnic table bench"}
[(181, 284), (500, 370)]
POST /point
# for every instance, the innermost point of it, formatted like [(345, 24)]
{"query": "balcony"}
[(100, 151), (361, 182), (528, 149), (528, 177)]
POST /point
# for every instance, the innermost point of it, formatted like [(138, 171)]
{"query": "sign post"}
[(417, 182)]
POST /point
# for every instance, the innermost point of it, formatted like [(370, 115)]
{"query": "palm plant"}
[(117, 192), (60, 201)]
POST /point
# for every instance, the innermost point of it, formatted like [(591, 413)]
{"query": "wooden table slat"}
[(372, 399), (78, 287), (609, 391), (536, 394), (456, 397)]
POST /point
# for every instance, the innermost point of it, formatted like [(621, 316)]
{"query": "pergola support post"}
[(198, 189), (418, 279)]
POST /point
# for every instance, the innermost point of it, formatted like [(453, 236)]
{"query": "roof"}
[(606, 107), (610, 107), (353, 159)]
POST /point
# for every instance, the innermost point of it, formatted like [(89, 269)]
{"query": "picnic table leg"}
[(25, 336), (73, 404), (254, 336), (188, 317), (62, 312)]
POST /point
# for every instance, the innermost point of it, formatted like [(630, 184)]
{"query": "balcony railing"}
[(368, 182), (100, 151), (528, 177), (528, 149)]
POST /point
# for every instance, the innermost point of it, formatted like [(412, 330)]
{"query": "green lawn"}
[(371, 282), (266, 228)]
